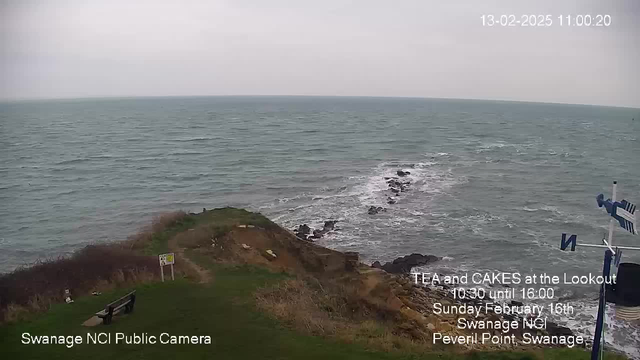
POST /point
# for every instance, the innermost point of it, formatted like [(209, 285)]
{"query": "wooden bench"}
[(127, 302)]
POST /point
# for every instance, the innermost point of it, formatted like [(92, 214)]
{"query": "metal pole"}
[(606, 269), (603, 299), (172, 278), (161, 273), (607, 247), (611, 222)]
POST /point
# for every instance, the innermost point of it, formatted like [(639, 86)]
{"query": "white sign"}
[(167, 259)]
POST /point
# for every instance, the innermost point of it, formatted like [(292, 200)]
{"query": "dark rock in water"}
[(304, 229), (329, 225), (396, 186), (375, 209), (403, 173), (555, 329), (304, 232), (391, 200), (404, 264)]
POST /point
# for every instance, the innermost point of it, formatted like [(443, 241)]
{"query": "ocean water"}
[(494, 184)]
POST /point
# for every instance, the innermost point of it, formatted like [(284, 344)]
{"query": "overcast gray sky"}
[(421, 48)]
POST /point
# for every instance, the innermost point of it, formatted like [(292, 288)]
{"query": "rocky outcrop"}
[(403, 265), (406, 306), (396, 186), (304, 232), (329, 225), (555, 329)]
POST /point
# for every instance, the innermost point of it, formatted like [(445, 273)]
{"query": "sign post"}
[(166, 259), (624, 213)]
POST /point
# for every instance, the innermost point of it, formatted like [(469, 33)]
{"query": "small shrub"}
[(36, 287)]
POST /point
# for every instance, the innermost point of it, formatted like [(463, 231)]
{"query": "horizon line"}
[(120, 97)]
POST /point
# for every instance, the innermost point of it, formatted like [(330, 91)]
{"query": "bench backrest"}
[(121, 300)]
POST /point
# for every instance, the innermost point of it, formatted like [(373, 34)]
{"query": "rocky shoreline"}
[(304, 232), (421, 298), (403, 265)]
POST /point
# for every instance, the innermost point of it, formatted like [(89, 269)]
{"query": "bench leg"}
[(107, 319), (131, 304)]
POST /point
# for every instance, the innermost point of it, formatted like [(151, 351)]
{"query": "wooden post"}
[(166, 259)]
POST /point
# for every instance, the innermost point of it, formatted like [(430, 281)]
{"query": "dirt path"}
[(203, 274)]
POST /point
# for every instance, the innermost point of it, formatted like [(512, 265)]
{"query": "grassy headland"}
[(300, 305)]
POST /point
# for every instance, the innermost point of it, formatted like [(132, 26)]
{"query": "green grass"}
[(181, 308), (159, 240), (223, 310)]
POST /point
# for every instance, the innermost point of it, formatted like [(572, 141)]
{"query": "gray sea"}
[(494, 184)]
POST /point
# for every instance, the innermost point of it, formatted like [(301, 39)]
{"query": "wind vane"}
[(624, 213)]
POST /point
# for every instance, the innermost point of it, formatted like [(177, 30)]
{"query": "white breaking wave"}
[(518, 148), (436, 155), (349, 205), (418, 208), (425, 177), (619, 334)]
